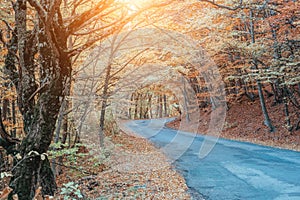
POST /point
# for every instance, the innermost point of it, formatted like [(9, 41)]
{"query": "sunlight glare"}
[(135, 4)]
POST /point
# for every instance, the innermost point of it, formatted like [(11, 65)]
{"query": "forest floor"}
[(133, 169), (244, 122)]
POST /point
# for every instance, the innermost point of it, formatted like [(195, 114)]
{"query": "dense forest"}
[(72, 70)]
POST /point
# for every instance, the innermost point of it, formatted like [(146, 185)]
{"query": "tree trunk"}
[(267, 120), (14, 118), (131, 105), (136, 106), (104, 105), (160, 106), (57, 134), (186, 100), (30, 170), (275, 89), (141, 106), (31, 173), (165, 106), (287, 115), (150, 106), (5, 109), (39, 108), (286, 109)]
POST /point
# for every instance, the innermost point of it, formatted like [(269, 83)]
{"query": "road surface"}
[(232, 170)]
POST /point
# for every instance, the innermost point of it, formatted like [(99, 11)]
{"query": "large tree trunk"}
[(31, 171), (39, 106), (26, 50)]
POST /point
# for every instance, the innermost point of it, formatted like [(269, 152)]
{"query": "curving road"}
[(232, 170)]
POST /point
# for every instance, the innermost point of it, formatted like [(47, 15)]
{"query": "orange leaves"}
[(38, 195), (4, 194), (286, 13)]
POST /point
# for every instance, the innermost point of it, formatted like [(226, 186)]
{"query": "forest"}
[(72, 72)]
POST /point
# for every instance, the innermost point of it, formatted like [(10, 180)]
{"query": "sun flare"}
[(136, 4)]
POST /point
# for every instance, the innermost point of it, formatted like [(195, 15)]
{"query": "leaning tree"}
[(42, 41)]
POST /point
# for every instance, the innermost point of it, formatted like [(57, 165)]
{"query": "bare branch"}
[(77, 23), (116, 27), (39, 8), (55, 4), (90, 43), (98, 29), (128, 62)]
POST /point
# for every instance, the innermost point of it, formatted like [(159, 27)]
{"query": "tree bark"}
[(267, 120), (165, 106), (286, 109), (186, 100), (39, 106), (137, 98), (150, 115), (14, 118), (104, 105)]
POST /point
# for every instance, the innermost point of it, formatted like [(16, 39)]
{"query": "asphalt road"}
[(232, 170)]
